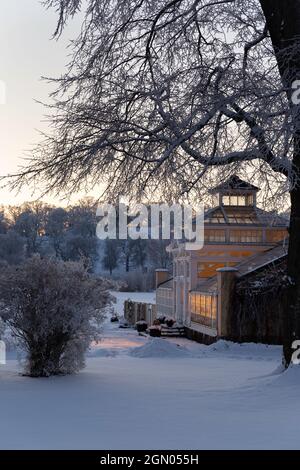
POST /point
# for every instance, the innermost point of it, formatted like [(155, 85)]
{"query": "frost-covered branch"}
[(160, 92)]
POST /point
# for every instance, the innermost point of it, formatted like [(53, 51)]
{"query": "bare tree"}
[(12, 247), (82, 217), (111, 254), (3, 222), (56, 227), (158, 254), (175, 94), (29, 221)]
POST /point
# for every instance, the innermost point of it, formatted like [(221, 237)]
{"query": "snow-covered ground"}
[(155, 394)]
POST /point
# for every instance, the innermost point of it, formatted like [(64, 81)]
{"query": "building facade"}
[(238, 237)]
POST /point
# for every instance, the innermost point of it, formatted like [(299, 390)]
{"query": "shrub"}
[(155, 331), (169, 322), (54, 308), (141, 326)]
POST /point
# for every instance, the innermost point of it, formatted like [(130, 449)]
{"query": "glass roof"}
[(243, 216)]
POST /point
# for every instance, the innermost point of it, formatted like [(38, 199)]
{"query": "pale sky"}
[(27, 52)]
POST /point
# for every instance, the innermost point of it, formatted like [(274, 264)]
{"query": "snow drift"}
[(158, 347)]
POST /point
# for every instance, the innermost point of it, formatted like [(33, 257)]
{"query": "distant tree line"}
[(36, 227), (69, 234), (129, 255)]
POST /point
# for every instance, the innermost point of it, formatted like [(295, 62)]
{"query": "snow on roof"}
[(262, 259), (235, 183), (166, 284)]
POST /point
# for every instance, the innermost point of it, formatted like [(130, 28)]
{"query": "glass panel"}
[(214, 307), (250, 200), (215, 218), (198, 304), (214, 235), (246, 236), (204, 309), (207, 306), (241, 200), (241, 216), (226, 200)]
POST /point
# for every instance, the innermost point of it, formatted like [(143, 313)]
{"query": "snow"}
[(157, 347), (151, 393)]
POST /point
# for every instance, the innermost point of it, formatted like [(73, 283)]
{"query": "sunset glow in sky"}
[(27, 53)]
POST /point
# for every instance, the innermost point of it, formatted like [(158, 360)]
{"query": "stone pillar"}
[(226, 285), (193, 272), (161, 275)]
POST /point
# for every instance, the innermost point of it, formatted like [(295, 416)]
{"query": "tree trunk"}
[(292, 313), (283, 21)]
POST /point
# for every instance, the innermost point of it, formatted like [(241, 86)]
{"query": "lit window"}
[(215, 236), (246, 236), (203, 309), (237, 200), (250, 200)]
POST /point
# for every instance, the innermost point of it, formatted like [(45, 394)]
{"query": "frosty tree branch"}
[(157, 89)]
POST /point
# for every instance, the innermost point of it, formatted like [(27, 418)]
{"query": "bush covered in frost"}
[(54, 308)]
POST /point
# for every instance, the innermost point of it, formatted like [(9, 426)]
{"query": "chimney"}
[(161, 275)]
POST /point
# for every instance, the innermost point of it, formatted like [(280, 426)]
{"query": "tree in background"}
[(67, 233), (126, 252), (27, 226), (82, 218), (54, 309), (139, 253), (12, 247), (3, 222), (158, 254), (56, 227), (110, 259), (29, 222), (78, 247), (80, 239)]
